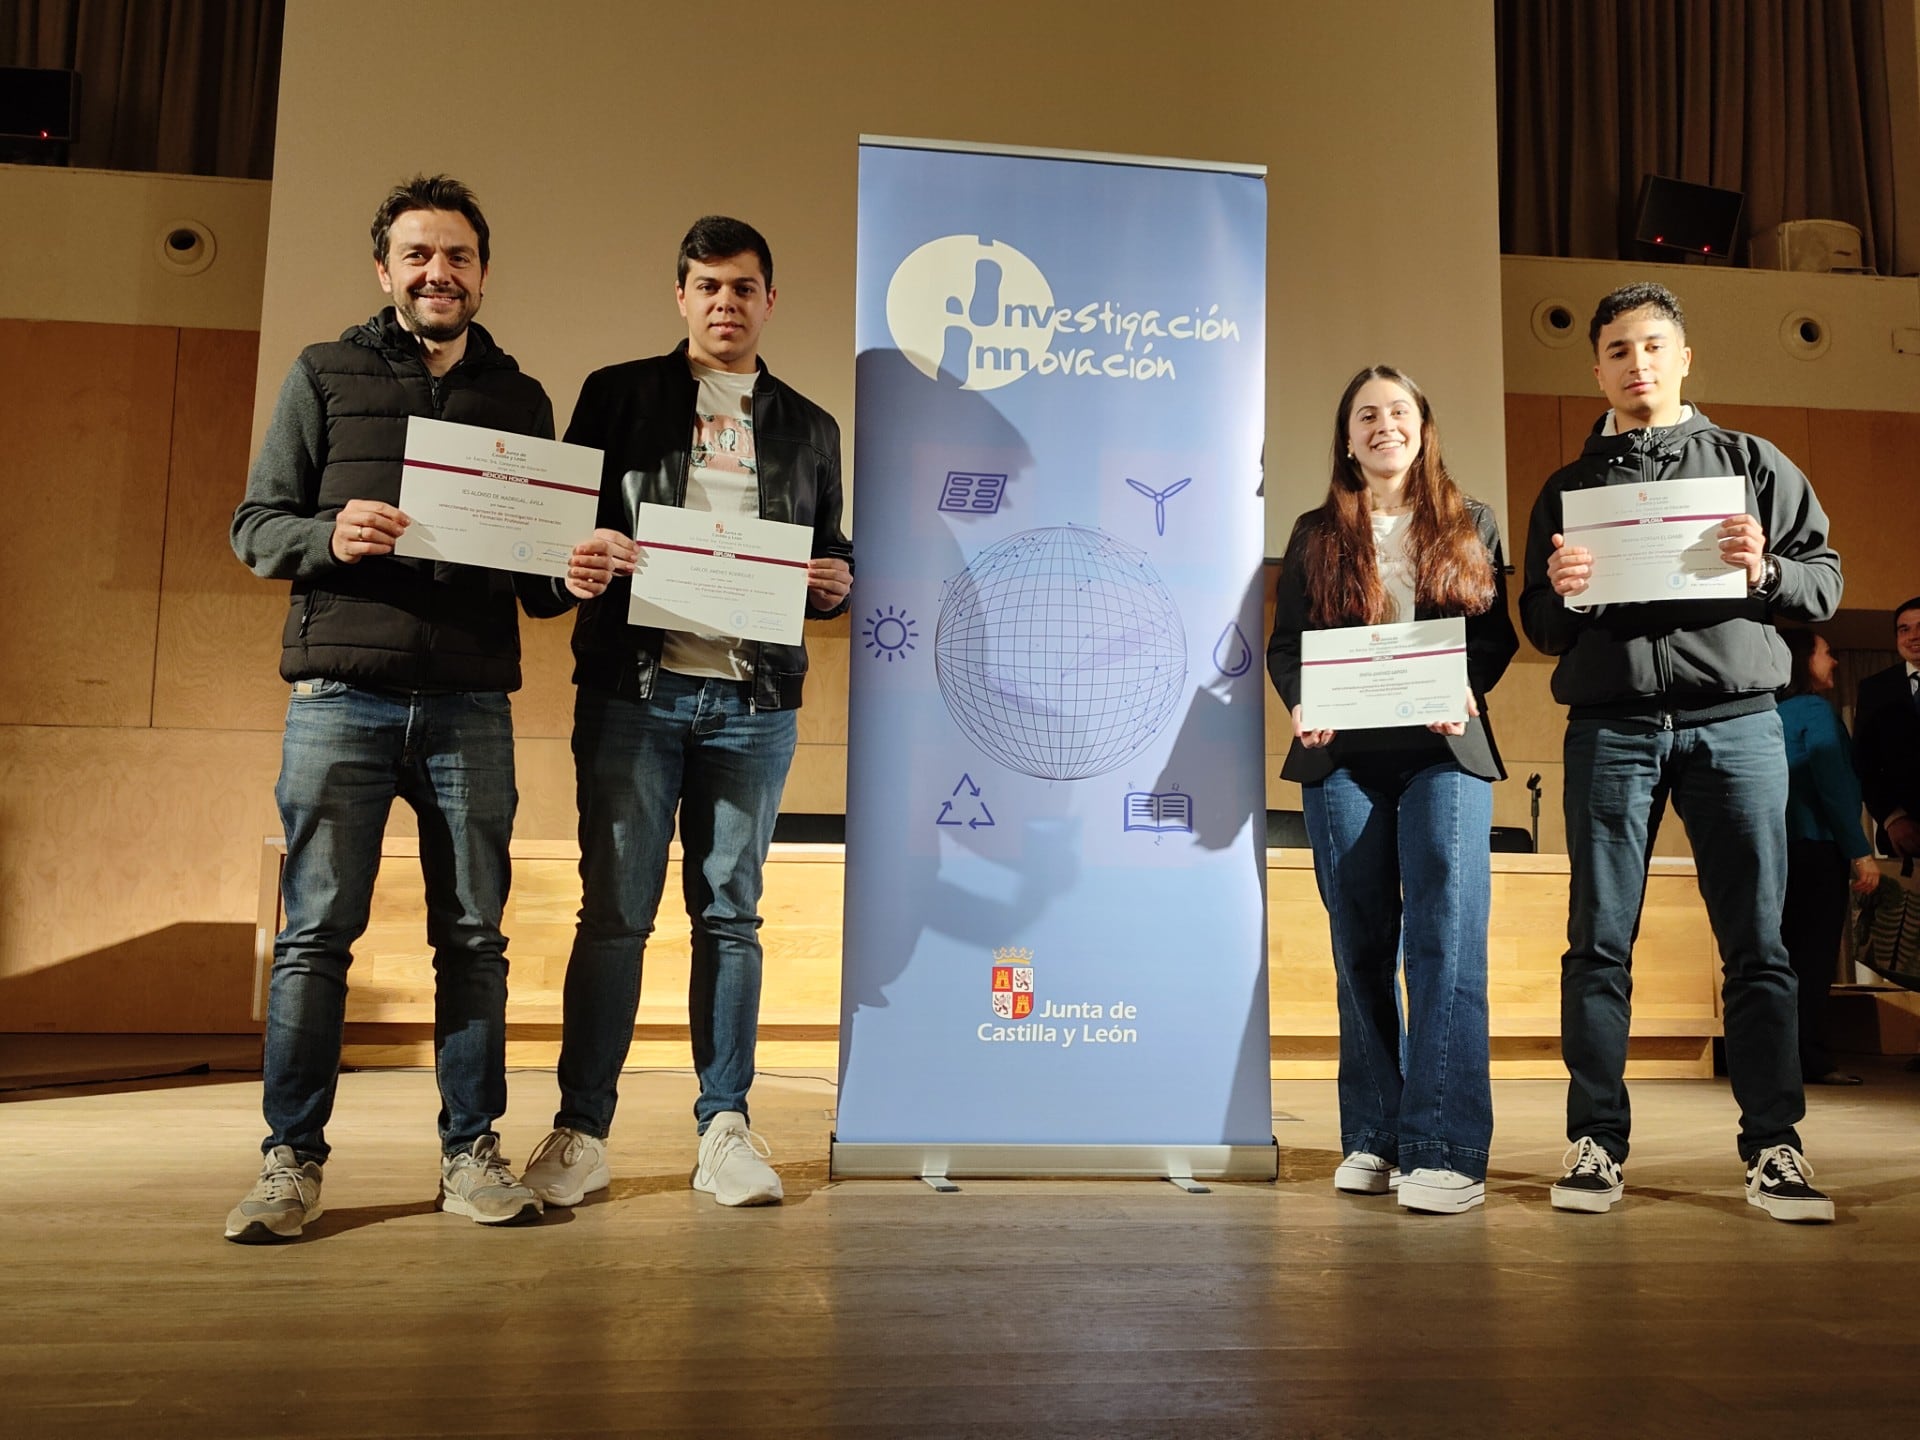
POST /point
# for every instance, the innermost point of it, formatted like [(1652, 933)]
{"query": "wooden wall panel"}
[(1787, 428), (830, 654), (218, 645), (1533, 453), (1577, 416), (129, 876), (1866, 470), (543, 708), (84, 427)]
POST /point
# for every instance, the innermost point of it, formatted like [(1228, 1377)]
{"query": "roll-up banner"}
[(1056, 957)]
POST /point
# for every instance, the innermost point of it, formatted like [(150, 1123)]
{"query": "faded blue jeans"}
[(1402, 861), (699, 745), (347, 754), (1728, 782)]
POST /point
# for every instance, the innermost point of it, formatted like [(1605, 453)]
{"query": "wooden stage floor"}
[(883, 1309)]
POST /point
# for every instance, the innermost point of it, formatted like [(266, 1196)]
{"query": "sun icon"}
[(889, 633)]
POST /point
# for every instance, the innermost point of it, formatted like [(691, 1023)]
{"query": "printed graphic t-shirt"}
[(723, 477)]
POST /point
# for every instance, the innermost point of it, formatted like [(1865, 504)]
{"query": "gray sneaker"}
[(282, 1201), (733, 1164), (478, 1184), (566, 1167)]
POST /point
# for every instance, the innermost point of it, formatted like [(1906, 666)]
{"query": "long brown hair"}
[(1453, 572)]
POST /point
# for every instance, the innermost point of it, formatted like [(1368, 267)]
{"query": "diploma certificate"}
[(713, 574), (493, 498), (1659, 541), (1368, 677)]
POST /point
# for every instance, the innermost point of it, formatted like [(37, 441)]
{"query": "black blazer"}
[(1491, 643), (1886, 744)]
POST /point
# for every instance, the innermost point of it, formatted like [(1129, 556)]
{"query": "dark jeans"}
[(1728, 782), (346, 756), (697, 744), (1379, 835), (1811, 922)]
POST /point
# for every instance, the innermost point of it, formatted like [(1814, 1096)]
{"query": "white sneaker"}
[(478, 1183), (733, 1164), (282, 1202), (1440, 1192), (1362, 1173), (566, 1167)]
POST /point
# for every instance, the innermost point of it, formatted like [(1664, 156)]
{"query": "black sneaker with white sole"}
[(1777, 1181), (1592, 1183)]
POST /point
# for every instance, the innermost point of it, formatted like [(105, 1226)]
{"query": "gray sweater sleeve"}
[(276, 531)]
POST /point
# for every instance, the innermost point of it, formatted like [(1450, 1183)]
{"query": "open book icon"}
[(1151, 810)]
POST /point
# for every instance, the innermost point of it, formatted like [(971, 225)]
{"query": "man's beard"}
[(438, 331)]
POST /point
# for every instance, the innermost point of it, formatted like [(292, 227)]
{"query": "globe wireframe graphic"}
[(1060, 653)]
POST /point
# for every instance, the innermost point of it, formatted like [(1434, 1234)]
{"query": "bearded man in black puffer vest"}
[(401, 669)]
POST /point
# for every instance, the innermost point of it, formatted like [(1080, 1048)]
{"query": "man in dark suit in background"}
[(1886, 745)]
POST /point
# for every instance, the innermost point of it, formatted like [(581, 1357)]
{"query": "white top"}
[(723, 476), (1396, 566)]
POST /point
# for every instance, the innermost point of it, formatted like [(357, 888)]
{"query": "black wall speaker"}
[(38, 104), (1679, 220)]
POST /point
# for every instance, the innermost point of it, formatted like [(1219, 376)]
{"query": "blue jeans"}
[(1728, 781), (347, 754), (1378, 834), (697, 744)]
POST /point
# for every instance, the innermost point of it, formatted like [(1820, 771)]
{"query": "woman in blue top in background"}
[(1823, 838)]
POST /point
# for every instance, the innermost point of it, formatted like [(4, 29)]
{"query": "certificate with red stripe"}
[(1368, 677), (1658, 540), (729, 575), (490, 497)]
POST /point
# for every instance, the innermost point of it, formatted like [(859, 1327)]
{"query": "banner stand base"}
[(1184, 1165)]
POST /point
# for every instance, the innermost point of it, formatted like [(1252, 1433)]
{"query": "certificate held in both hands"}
[(489, 497), (1658, 541), (1370, 677), (712, 574)]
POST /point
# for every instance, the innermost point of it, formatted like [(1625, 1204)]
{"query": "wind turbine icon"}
[(1160, 498)]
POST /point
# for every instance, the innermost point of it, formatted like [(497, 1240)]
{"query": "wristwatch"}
[(1769, 579)]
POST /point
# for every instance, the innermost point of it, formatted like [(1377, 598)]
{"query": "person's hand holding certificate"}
[(485, 497), (1658, 541), (712, 574), (1368, 677)]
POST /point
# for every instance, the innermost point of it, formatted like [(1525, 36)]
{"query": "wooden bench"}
[(1676, 1010)]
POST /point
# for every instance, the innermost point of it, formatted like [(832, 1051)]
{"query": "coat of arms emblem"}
[(1012, 983)]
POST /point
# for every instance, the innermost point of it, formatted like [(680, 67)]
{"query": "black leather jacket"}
[(641, 416)]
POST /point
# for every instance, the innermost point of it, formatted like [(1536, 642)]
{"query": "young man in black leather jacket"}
[(670, 719)]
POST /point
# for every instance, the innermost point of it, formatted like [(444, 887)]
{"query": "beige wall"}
[(1743, 325), (595, 131), (89, 245)]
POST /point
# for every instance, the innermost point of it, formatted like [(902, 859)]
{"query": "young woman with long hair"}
[(1399, 818)]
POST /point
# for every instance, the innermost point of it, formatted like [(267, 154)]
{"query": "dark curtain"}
[(185, 86), (1783, 100)]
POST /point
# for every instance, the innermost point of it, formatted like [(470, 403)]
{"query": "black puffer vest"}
[(395, 623)]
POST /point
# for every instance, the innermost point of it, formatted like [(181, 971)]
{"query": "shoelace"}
[(486, 1158), (1586, 1158), (571, 1140), (749, 1138), (287, 1184), (1789, 1165)]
